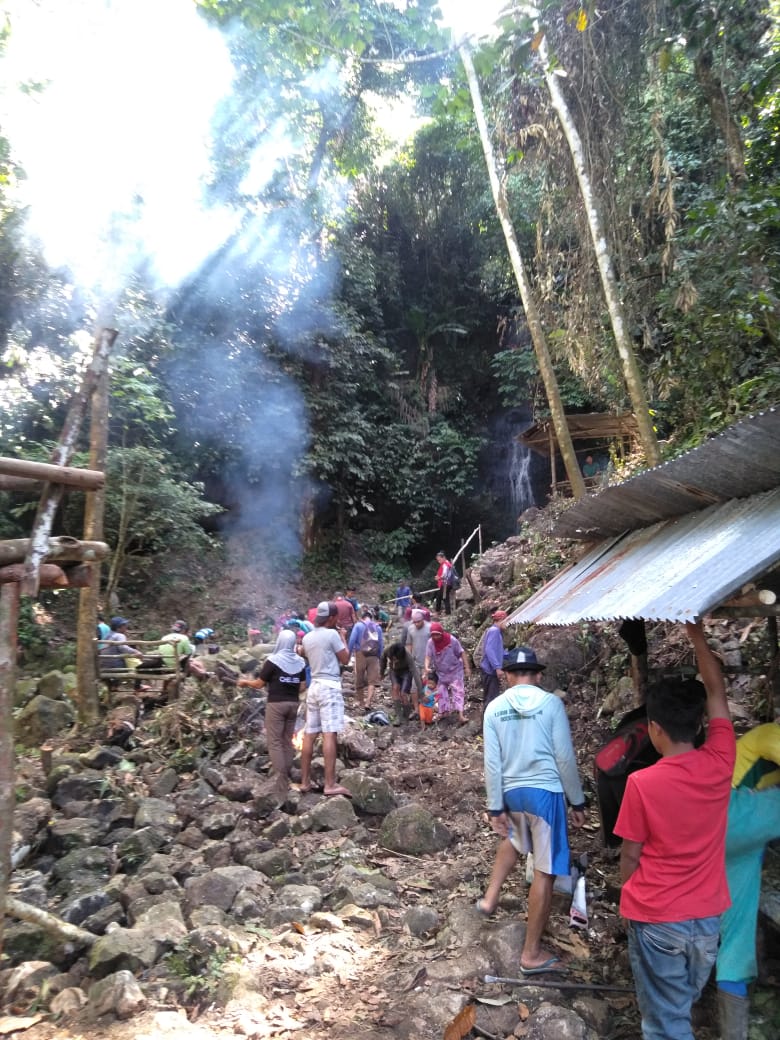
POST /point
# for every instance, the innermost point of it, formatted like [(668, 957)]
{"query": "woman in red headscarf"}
[(444, 655)]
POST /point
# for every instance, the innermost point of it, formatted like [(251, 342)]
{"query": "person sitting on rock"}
[(115, 652), (176, 650)]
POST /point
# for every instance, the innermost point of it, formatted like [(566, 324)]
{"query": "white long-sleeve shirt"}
[(527, 743)]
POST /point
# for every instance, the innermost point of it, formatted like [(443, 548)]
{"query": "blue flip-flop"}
[(482, 911), (548, 966)]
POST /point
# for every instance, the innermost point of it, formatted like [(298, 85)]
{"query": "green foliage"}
[(31, 634), (201, 976), (388, 552)]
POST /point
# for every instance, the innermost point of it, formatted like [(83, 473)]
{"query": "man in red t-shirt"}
[(672, 864), (345, 613)]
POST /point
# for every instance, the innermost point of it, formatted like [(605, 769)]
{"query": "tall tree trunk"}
[(94, 508), (722, 116), (526, 294), (131, 482), (9, 620), (51, 494), (631, 373)]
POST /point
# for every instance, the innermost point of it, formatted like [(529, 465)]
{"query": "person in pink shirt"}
[(444, 655)]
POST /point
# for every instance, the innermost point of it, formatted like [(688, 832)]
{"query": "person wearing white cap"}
[(326, 650)]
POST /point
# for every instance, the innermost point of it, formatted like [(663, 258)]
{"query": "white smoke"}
[(467, 18), (107, 105)]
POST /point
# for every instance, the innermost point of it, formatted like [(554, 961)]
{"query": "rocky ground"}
[(203, 910)]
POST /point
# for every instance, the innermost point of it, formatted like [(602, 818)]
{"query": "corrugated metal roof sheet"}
[(676, 570), (743, 460)]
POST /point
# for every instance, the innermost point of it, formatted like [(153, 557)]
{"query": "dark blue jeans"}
[(671, 963)]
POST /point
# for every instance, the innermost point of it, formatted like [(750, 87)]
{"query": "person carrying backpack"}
[(366, 642), (446, 578)]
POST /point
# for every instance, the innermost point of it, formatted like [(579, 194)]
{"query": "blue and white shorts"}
[(539, 826)]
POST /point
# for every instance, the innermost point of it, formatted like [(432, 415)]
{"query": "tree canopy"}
[(334, 368)]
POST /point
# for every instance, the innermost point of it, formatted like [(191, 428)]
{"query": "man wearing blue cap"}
[(530, 775)]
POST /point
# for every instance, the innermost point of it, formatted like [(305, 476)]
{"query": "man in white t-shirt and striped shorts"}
[(326, 651)]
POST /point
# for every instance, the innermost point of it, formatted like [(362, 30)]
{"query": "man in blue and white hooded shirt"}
[(530, 774)]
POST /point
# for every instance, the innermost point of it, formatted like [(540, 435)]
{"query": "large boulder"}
[(414, 830), (118, 994), (42, 718), (370, 794)]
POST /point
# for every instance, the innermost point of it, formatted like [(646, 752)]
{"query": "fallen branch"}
[(48, 922)]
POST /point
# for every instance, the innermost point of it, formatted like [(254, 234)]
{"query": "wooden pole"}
[(84, 479), (64, 549), (9, 622), (87, 688)]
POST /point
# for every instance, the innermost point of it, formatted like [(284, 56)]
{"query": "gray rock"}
[(271, 863), (422, 921), (139, 846), (364, 888), (27, 942), (124, 949), (219, 887), (332, 814), (597, 1014), (369, 794), (79, 907), (355, 745), (207, 939), (462, 964), (93, 859), (550, 1022), (68, 1001), (23, 983), (158, 814), (25, 690), (156, 882), (239, 784), (414, 830), (164, 784), (219, 825), (78, 833), (217, 854), (251, 906), (424, 1016), (52, 685), (503, 943), (42, 718), (101, 757), (277, 830), (191, 837), (140, 905), (117, 994), (30, 818), (206, 916), (30, 887), (84, 786), (99, 922), (294, 903), (165, 922)]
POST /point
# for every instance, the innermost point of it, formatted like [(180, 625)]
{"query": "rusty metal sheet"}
[(742, 461), (676, 570)]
